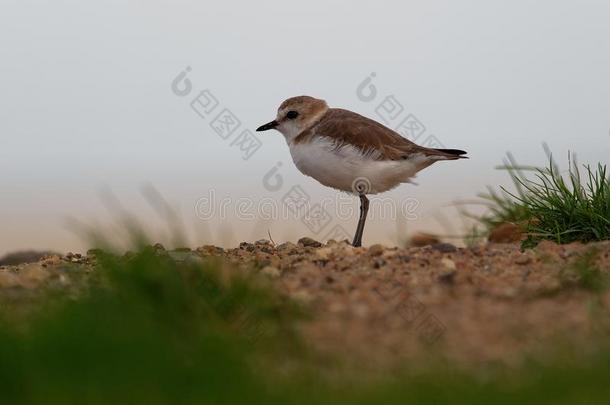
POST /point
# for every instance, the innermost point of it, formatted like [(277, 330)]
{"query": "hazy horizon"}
[(88, 109)]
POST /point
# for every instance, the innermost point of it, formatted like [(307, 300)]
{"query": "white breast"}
[(345, 167)]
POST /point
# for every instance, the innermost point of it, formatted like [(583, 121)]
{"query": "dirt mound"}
[(481, 305), (485, 305)]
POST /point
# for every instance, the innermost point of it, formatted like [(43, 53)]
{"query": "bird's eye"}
[(292, 115)]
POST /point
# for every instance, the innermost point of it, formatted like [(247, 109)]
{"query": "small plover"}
[(349, 152)]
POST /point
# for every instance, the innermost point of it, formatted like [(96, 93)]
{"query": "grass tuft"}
[(551, 206)]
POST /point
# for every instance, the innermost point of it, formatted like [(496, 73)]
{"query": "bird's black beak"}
[(267, 126)]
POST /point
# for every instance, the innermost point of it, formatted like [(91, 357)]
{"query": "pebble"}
[(422, 239), (51, 260), (444, 247), (247, 246), (288, 248), (376, 250), (309, 242), (505, 233), (355, 287), (448, 263), (263, 242), (264, 245)]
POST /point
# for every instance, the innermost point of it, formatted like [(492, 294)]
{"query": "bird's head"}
[(295, 115)]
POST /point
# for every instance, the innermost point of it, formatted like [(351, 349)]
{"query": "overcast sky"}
[(86, 103)]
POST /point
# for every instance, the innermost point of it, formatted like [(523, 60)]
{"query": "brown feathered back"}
[(373, 139)]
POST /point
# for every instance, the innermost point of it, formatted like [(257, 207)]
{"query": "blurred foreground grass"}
[(148, 329)]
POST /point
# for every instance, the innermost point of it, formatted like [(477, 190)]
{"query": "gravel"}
[(381, 306), (490, 304)]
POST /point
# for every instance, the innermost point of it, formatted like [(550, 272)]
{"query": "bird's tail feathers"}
[(453, 153)]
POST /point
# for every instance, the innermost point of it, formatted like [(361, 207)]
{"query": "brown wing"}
[(370, 137)]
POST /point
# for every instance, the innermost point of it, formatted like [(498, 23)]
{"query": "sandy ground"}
[(382, 306)]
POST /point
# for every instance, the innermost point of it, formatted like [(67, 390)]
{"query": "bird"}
[(348, 152)]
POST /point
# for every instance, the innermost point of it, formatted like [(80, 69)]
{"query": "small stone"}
[(448, 263), (444, 247), (348, 250), (51, 260), (264, 245), (286, 246), (505, 233), (308, 242), (422, 239), (271, 272), (376, 250), (247, 246)]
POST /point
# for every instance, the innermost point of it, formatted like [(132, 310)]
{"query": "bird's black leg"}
[(364, 209)]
